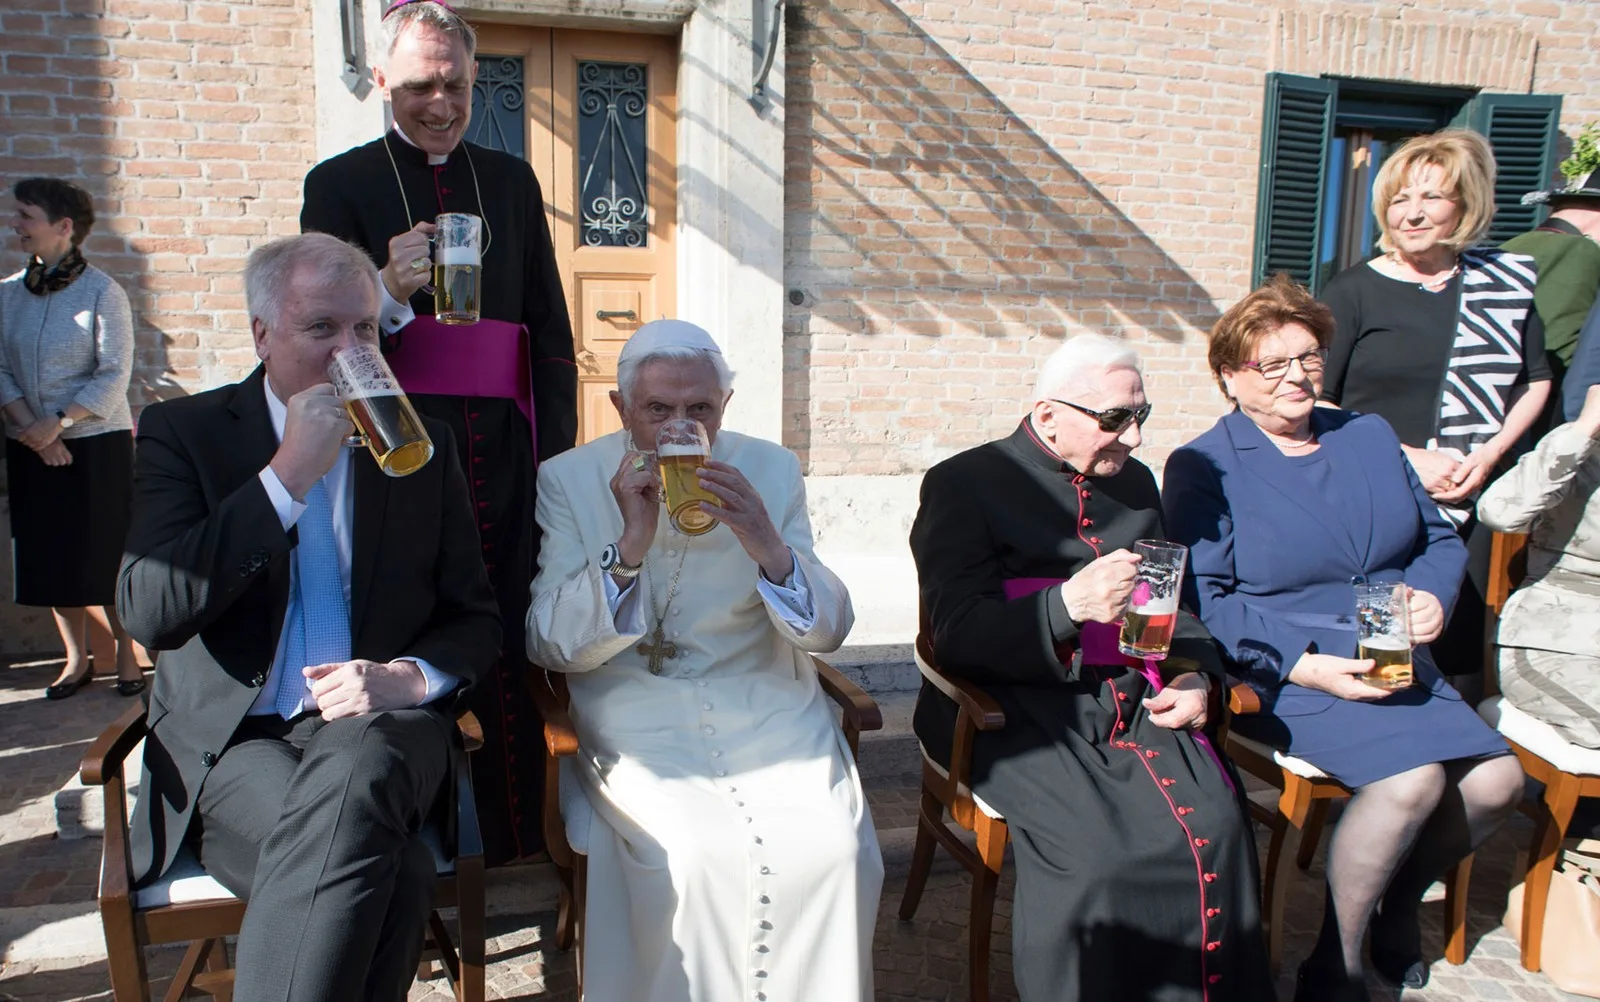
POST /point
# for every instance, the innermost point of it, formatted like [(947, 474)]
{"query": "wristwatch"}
[(66, 422), (611, 563)]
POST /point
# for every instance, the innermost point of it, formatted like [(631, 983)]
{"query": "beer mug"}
[(457, 267), (385, 421), (1383, 633), (1152, 614), (682, 447)]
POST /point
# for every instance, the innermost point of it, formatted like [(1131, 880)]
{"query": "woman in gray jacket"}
[(66, 355), (1549, 639)]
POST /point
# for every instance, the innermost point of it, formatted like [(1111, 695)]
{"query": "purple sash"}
[(485, 359), (1101, 645)]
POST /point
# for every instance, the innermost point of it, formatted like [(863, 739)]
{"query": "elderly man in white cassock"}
[(732, 855)]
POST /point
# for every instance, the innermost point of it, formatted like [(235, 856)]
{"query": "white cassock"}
[(732, 856)]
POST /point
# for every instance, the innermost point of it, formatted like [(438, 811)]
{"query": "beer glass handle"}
[(615, 315)]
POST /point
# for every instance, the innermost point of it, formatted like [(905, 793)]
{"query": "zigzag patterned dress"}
[(1443, 369)]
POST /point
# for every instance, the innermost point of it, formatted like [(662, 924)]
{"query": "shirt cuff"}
[(439, 683), (626, 615), (289, 510), (393, 315), (790, 600)]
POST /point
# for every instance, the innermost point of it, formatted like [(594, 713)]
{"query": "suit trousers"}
[(315, 823)]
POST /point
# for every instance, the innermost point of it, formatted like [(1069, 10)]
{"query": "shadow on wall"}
[(930, 231)]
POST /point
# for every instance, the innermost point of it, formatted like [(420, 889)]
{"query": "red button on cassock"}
[(1212, 946), (1213, 979), (1152, 753), (1210, 878), (1182, 811)]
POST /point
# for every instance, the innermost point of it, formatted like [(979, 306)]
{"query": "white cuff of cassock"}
[(393, 315), (289, 510), (626, 613), (790, 600), (439, 683)]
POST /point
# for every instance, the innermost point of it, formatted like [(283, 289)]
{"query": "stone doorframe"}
[(730, 160)]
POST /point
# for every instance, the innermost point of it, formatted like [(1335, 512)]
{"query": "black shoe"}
[(130, 686), (1397, 952), (1316, 983), (61, 690)]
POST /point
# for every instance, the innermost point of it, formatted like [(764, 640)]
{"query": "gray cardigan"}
[(72, 346)]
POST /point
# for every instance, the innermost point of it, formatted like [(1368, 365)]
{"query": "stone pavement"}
[(48, 880)]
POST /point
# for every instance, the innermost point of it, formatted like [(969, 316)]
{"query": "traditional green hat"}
[(1582, 171)]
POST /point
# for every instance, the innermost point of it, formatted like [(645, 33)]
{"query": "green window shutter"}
[(1296, 132), (1522, 128)]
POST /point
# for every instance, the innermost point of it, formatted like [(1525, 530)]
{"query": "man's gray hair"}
[(271, 267), (628, 371), (1074, 367), (426, 12)]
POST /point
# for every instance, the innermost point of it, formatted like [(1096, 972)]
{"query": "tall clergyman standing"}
[(506, 385), (319, 624)]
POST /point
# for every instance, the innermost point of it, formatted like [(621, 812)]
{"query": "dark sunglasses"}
[(1112, 419)]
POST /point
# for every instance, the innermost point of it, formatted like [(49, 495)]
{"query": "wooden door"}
[(601, 134)]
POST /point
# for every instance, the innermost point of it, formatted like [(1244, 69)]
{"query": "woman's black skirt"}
[(69, 523)]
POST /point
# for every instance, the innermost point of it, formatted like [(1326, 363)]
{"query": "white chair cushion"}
[(186, 883), (1297, 766), (1538, 737), (576, 812), (945, 773)]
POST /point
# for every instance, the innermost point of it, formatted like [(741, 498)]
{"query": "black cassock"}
[(356, 196), (1136, 869)]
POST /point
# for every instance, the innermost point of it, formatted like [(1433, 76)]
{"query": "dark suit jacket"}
[(1271, 559), (205, 581)]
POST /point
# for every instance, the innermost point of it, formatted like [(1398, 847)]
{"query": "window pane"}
[(1333, 185), (497, 119), (614, 201)]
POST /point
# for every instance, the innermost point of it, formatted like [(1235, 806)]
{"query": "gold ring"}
[(420, 263), (638, 463)]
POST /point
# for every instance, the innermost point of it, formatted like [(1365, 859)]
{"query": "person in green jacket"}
[(1565, 248)]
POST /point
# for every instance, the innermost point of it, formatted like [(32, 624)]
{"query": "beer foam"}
[(672, 449), (373, 392), (1385, 642), (1161, 606), (456, 255)]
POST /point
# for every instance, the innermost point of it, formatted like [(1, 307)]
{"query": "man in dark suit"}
[(319, 623)]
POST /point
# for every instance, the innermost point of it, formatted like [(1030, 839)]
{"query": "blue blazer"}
[(1271, 560)]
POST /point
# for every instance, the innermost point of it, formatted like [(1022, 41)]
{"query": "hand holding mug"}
[(410, 262)]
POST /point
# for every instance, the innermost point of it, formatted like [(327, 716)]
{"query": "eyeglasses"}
[(1274, 369), (1112, 419)]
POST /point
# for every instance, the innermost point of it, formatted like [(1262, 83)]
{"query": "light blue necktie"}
[(319, 618)]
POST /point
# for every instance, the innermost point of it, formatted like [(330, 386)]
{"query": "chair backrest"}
[(1508, 565)]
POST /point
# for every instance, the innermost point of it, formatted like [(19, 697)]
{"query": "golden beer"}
[(1391, 658), (681, 485), (393, 432), (457, 285), (1147, 631)]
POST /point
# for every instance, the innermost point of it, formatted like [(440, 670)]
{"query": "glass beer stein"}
[(457, 268), (682, 447), (1383, 633), (385, 421), (1152, 614)]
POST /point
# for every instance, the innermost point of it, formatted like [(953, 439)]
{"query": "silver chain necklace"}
[(411, 222)]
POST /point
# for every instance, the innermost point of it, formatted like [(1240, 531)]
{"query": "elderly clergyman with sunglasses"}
[(1136, 874)]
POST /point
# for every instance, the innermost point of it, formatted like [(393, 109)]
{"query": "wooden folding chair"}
[(188, 906), (567, 815), (945, 792)]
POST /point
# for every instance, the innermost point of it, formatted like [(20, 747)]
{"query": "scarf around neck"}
[(42, 281)]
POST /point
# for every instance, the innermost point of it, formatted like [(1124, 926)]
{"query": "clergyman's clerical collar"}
[(1031, 444), (434, 159)]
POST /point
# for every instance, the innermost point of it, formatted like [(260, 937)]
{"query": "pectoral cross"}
[(658, 649)]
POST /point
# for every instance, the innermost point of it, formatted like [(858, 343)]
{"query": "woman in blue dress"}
[(1282, 505)]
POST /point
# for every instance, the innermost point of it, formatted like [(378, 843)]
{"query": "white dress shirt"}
[(342, 498), (395, 315)]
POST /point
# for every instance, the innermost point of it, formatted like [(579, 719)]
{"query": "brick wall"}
[(192, 123), (969, 182)]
